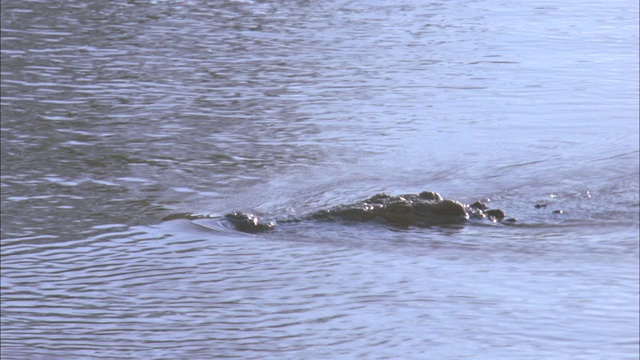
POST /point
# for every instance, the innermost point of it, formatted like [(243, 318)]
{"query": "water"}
[(118, 114)]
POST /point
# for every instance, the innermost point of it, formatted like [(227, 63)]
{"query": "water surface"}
[(118, 114)]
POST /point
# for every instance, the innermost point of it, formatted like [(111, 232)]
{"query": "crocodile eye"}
[(430, 195)]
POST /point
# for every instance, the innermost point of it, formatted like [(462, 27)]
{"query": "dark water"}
[(117, 114)]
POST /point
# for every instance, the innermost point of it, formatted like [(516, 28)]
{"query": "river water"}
[(119, 114)]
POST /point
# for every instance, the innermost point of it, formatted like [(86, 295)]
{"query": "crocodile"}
[(425, 209)]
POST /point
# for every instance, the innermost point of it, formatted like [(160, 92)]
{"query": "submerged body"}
[(425, 209)]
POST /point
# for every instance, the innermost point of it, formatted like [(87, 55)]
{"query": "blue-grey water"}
[(119, 114)]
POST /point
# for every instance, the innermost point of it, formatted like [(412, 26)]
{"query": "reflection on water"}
[(116, 114)]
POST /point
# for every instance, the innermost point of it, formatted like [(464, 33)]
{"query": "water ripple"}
[(116, 114)]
